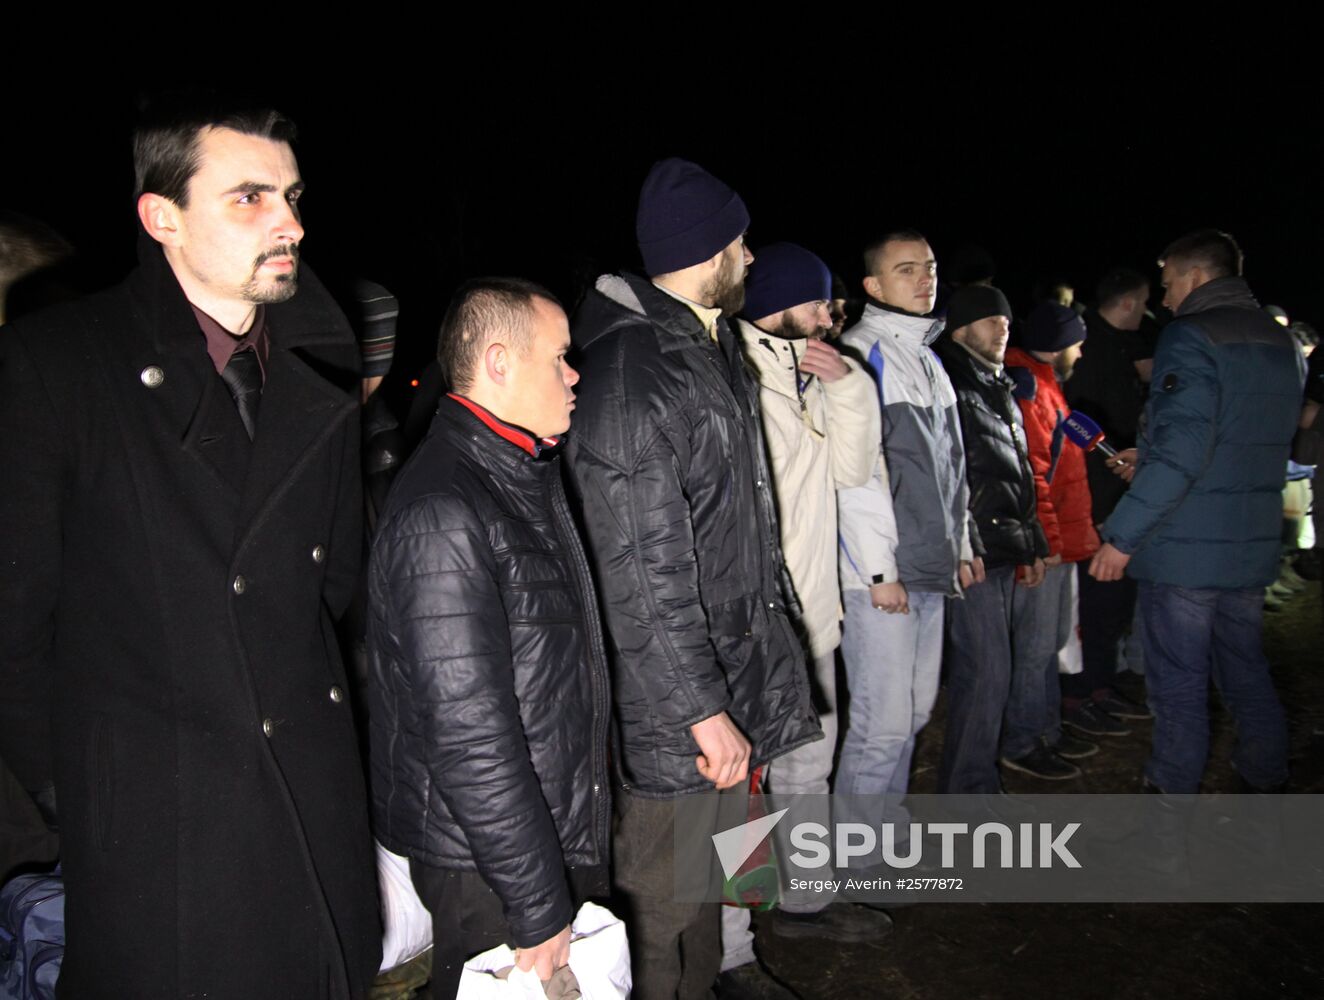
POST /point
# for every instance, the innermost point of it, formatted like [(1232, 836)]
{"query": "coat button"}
[(267, 727), (151, 376), (240, 584), (319, 553), (336, 693)]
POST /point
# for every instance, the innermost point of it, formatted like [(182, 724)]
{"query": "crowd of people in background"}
[(726, 523)]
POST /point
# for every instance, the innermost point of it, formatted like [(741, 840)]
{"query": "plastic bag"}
[(599, 959), (406, 923)]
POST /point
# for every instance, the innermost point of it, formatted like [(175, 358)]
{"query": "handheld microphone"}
[(1086, 434)]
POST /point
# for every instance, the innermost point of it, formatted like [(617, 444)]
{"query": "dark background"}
[(1059, 166)]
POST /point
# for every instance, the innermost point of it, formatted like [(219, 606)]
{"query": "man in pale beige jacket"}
[(822, 426)]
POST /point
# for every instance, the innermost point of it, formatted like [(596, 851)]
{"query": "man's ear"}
[(496, 362), (873, 288), (160, 217)]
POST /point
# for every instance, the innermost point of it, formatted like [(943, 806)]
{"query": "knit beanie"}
[(374, 326), (785, 275), (973, 303), (686, 215), (1052, 326)]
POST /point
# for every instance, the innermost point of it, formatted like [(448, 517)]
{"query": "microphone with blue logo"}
[(1088, 435)]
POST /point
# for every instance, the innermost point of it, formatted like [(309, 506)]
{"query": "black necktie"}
[(243, 377)]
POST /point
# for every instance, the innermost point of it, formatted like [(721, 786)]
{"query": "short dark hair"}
[(873, 252), (1212, 250), (1115, 284), (482, 310), (165, 143)]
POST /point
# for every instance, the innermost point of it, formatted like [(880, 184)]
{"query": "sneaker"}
[(1290, 578), (1093, 721), (843, 922), (1074, 748), (752, 981), (1121, 707), (1043, 763)]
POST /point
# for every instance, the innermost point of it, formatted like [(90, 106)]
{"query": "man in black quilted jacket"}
[(668, 456), (489, 695)]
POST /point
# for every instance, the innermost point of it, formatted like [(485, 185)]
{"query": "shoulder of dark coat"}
[(62, 332)]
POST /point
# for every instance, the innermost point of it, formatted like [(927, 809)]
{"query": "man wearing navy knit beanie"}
[(668, 458)]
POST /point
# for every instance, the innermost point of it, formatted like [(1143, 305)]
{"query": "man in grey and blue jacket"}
[(905, 539)]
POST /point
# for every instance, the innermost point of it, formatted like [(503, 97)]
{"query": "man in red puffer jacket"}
[(1049, 348)]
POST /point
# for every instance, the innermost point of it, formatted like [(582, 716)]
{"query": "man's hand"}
[(890, 597), (544, 959), (1109, 563), (971, 573), (823, 360), (1123, 464), (1032, 575), (1054, 560), (725, 752)]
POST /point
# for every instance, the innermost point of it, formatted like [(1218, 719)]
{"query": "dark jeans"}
[(675, 944), (1105, 615), (1189, 634), (978, 681), (1040, 627)]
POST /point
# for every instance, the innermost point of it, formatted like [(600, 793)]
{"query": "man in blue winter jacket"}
[(1199, 527)]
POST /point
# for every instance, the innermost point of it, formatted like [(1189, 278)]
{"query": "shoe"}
[(1290, 578), (752, 981), (1121, 707), (1093, 721), (842, 922), (1043, 763), (1073, 748)]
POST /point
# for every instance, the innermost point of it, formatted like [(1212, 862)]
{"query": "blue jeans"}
[(978, 681), (1040, 626), (892, 668), (1189, 634)]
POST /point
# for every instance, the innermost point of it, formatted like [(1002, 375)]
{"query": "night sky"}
[(418, 186)]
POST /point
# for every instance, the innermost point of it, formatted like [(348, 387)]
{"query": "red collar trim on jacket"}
[(510, 432)]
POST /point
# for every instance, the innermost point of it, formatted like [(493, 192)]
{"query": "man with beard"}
[(668, 457), (1008, 539), (1050, 347), (905, 540), (182, 525), (820, 417)]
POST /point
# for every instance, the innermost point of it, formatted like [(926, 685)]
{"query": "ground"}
[(1138, 951)]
